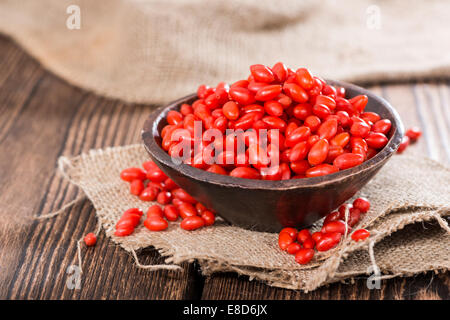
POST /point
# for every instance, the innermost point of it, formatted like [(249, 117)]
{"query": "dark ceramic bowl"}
[(270, 205)]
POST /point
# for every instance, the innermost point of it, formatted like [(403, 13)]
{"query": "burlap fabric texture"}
[(156, 51), (405, 194)]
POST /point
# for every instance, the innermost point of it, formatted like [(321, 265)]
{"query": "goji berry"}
[(192, 223), (304, 256), (362, 204), (328, 241), (90, 239), (413, 133), (360, 234)]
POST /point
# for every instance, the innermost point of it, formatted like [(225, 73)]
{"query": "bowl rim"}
[(156, 152)]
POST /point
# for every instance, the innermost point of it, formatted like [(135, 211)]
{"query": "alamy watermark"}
[(73, 21), (373, 17), (374, 280), (74, 279)]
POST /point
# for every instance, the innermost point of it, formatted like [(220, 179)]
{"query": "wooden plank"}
[(234, 287), (44, 118), (411, 101), (404, 97)]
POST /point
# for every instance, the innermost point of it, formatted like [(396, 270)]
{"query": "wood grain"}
[(43, 117)]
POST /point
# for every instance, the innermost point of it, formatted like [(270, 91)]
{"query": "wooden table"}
[(43, 117)]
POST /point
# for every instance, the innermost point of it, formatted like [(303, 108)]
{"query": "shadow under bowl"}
[(264, 205)]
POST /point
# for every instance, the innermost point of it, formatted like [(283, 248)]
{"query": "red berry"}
[(149, 165), (300, 167), (192, 223), (327, 101), (275, 123), (231, 110), (382, 126), (174, 117), (155, 223), (348, 160), (328, 129), (354, 216), (183, 195), (304, 256), (90, 239), (413, 133), (321, 170), (359, 128), (149, 194), (129, 220), (155, 210), (362, 204), (136, 187), (303, 235), (171, 212), (123, 232), (313, 122), (316, 236), (295, 92), (309, 243), (291, 231), (359, 102), (304, 78), (284, 240), (262, 73), (242, 96), (360, 234), (318, 152), (299, 151), (169, 184), (321, 110), (376, 140), (343, 207), (186, 109), (293, 248), (208, 217), (403, 145), (280, 71), (214, 168), (297, 135), (186, 209), (244, 172), (156, 175), (131, 174), (164, 197), (333, 216), (370, 116), (200, 207), (268, 92), (335, 226), (328, 241), (273, 108)]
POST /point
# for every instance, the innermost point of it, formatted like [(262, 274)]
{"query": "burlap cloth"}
[(159, 50), (404, 194)]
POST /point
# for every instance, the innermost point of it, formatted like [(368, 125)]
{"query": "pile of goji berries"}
[(150, 184), (302, 243), (312, 128)]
